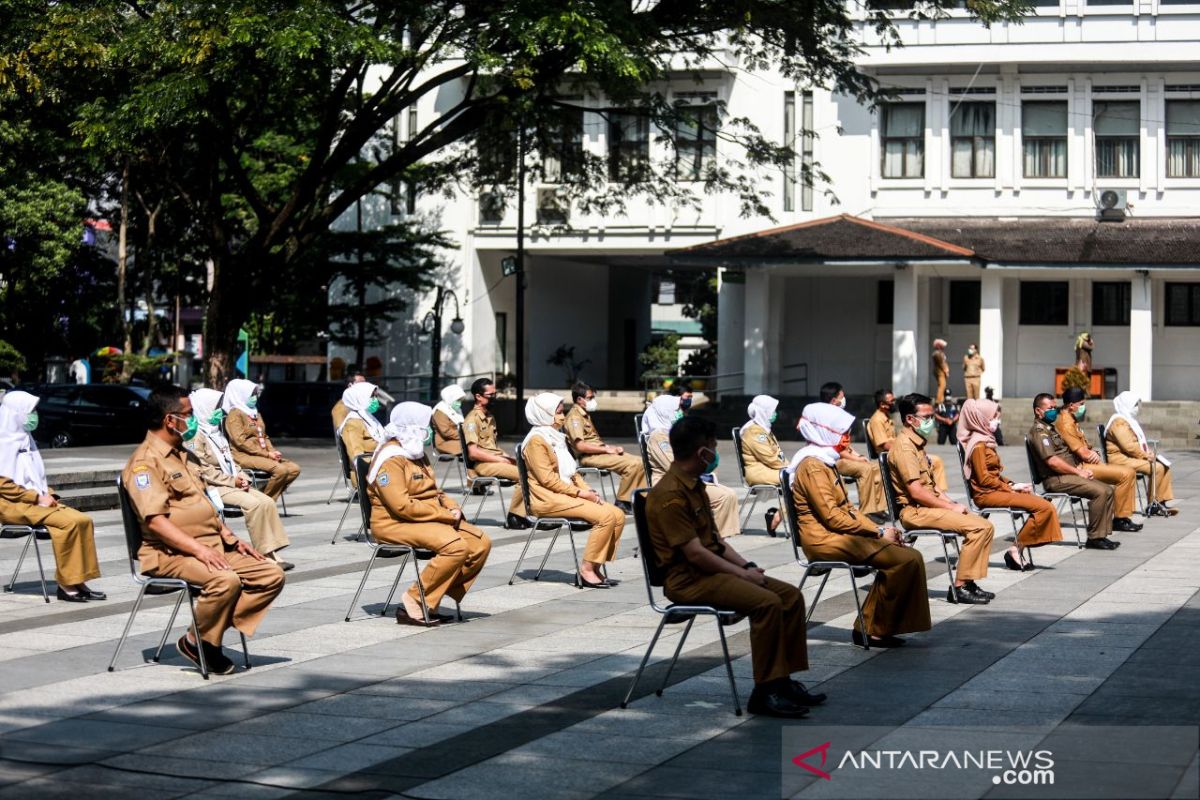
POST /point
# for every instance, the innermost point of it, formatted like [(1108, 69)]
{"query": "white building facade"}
[(970, 199)]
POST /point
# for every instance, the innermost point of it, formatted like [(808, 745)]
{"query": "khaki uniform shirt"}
[(338, 414), (445, 433), (659, 453), (212, 470), (762, 447), (677, 510), (880, 429), (247, 435), (940, 364), (972, 366), (405, 491), (1068, 429), (1047, 442), (907, 462), (578, 426), (479, 429), (822, 507), (357, 439)]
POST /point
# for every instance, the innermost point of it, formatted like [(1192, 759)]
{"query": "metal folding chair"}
[(32, 534), (947, 538), (752, 492), (351, 489), (1015, 515), (871, 452), (637, 424), (1058, 498), (537, 523), (342, 475), (673, 613), (151, 585), (643, 443), (1142, 482), (820, 569), (471, 483)]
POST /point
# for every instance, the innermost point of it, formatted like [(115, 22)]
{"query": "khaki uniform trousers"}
[(496, 469), (939, 396), (723, 501), (629, 467), (778, 633), (461, 555), (1100, 496), (976, 531), (870, 484), (1123, 479), (72, 535), (239, 597), (607, 521), (262, 518), (899, 600), (972, 388), (282, 472), (1042, 526), (758, 474), (1163, 490)]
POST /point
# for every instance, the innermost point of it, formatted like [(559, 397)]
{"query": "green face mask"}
[(926, 427), (456, 405), (711, 466), (678, 415), (216, 417), (373, 406), (429, 436), (189, 433), (1079, 412), (774, 416), (252, 401), (31, 422)]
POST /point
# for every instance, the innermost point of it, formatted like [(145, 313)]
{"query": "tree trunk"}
[(122, 272), (225, 313)]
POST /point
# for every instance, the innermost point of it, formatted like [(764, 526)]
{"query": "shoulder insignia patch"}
[(762, 437), (383, 479), (471, 426), (664, 446), (141, 479), (1045, 441)]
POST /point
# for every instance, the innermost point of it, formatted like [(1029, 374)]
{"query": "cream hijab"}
[(20, 460), (356, 398), (539, 412), (1125, 406), (237, 392), (404, 436)]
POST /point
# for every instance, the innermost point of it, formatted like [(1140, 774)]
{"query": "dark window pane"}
[(1110, 303), (1044, 302), (884, 309), (1183, 304), (964, 302)]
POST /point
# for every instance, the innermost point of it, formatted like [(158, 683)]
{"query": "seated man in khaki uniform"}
[(1123, 479), (339, 412), (703, 570), (184, 538), (407, 507), (479, 436), (923, 505), (591, 450), (1060, 471), (1126, 445), (247, 435), (852, 465), (882, 432), (833, 530)]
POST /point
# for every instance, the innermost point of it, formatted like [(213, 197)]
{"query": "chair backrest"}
[(889, 490), (643, 445), (1101, 446), (466, 449), (655, 572), (362, 466), (740, 456), (637, 424), (962, 466), (523, 477), (866, 432), (1035, 474), (343, 457), (788, 501), (132, 524)]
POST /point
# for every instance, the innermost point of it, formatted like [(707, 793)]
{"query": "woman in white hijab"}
[(407, 507), (761, 452), (231, 484), (360, 431), (248, 440), (1126, 445), (831, 529), (556, 490), (447, 416), (659, 417), (26, 499)]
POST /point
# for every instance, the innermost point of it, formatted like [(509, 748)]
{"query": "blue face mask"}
[(1050, 416), (685, 403)]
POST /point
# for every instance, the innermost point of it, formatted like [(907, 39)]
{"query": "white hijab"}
[(204, 403), (760, 410), (660, 416), (539, 412), (822, 426), (1125, 406), (356, 398), (405, 436), (20, 460), (237, 392), (450, 395)]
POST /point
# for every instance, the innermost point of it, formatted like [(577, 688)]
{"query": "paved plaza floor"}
[(522, 700)]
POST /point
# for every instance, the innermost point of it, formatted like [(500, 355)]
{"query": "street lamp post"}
[(433, 324)]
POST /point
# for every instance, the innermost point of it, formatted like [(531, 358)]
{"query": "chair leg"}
[(20, 560), (503, 505), (737, 703), (245, 650), (196, 632), (862, 623), (787, 523), (817, 598), (128, 625), (524, 550), (400, 574), (574, 552), (752, 496), (421, 590), (362, 583), (353, 499), (333, 491), (546, 557), (950, 571), (162, 643), (637, 676), (37, 553), (678, 649), (283, 502)]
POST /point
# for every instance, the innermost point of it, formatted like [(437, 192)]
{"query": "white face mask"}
[(591, 405), (994, 424), (840, 402)]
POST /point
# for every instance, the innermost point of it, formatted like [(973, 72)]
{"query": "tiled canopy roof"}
[(1030, 240)]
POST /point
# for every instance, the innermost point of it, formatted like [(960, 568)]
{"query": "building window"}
[(884, 308), (695, 141), (964, 302), (1044, 139), (563, 147), (806, 152), (973, 140), (1110, 303), (1183, 138), (1117, 130), (666, 292), (902, 140), (789, 141), (1045, 302), (497, 149), (1183, 304), (628, 145)]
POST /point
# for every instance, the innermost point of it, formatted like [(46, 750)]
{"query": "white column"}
[(906, 349), (991, 331), (1141, 336), (754, 341), (731, 306)]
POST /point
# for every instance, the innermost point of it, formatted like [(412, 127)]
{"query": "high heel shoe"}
[(770, 517), (1013, 564), (584, 583)]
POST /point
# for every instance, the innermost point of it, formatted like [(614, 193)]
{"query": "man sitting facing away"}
[(882, 432), (703, 570), (923, 505), (852, 465), (1060, 471), (1122, 478), (184, 538), (591, 450)]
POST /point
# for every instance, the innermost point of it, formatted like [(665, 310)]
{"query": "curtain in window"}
[(973, 140), (1045, 158), (904, 140), (1183, 138)]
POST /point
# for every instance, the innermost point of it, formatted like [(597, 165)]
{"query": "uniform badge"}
[(471, 426), (141, 480), (762, 437), (383, 479), (664, 446), (1045, 441)]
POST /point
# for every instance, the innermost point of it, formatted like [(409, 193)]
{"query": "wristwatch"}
[(749, 565), (880, 532)]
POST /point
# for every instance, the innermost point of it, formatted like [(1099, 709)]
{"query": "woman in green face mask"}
[(248, 440), (447, 416), (361, 431), (761, 453)]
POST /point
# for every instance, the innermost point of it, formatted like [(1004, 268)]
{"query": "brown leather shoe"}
[(402, 618)]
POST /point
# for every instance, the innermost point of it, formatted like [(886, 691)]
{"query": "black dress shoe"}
[(402, 618), (1102, 544), (71, 597), (1012, 563), (803, 696), (975, 587), (964, 594), (1126, 525), (515, 522), (770, 517), (876, 641), (625, 506), (584, 583), (216, 660), (775, 703)]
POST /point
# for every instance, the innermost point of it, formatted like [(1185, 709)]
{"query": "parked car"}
[(97, 413)]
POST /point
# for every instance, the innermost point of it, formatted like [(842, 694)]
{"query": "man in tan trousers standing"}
[(922, 505), (182, 536), (591, 450), (973, 367)]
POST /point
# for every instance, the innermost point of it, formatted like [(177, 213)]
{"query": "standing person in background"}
[(247, 435), (1083, 352), (941, 370), (946, 415), (80, 370), (447, 416), (973, 368)]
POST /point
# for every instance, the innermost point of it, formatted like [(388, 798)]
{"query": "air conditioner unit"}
[(491, 208), (553, 208), (1113, 205)]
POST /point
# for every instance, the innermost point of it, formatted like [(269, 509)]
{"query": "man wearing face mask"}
[(852, 465), (701, 569), (591, 450), (882, 432), (184, 538), (923, 505), (973, 368), (479, 436), (1060, 471), (1122, 479), (684, 393)]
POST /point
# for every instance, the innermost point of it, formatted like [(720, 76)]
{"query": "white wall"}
[(830, 325)]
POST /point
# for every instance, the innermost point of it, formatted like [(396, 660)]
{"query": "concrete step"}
[(86, 490)]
